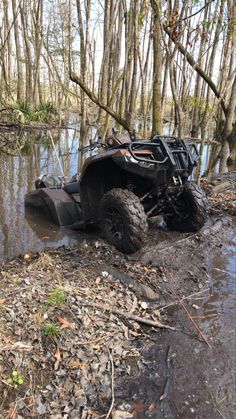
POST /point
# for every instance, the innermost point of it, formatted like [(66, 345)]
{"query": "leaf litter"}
[(57, 332)]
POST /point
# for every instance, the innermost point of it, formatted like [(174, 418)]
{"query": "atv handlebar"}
[(92, 146)]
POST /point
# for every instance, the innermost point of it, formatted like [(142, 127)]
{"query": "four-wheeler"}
[(122, 185)]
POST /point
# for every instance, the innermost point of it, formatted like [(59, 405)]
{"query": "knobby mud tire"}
[(132, 218), (195, 202)]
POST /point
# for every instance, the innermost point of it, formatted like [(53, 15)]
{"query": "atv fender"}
[(63, 209)]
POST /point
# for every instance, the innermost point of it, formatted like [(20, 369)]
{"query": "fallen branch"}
[(118, 118), (129, 316), (171, 32)]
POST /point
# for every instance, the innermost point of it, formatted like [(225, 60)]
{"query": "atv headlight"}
[(144, 164)]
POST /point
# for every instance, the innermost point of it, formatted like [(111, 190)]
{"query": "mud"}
[(180, 375)]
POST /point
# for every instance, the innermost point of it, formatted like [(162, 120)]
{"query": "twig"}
[(112, 386), (207, 316), (177, 242), (166, 387), (168, 356), (194, 323), (17, 346), (188, 297), (222, 270), (129, 316)]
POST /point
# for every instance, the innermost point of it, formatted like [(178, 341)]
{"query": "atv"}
[(122, 185)]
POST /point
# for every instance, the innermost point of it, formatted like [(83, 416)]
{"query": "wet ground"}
[(182, 377), (178, 375)]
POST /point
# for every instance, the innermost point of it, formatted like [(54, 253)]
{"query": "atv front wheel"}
[(191, 209), (123, 220)]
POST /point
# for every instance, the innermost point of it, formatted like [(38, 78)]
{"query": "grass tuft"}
[(56, 298), (50, 329)]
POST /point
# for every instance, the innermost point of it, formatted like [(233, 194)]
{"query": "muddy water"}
[(22, 230), (180, 376)]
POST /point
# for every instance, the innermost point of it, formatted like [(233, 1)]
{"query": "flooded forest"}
[(86, 330)]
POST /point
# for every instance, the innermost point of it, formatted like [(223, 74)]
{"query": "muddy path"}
[(180, 376), (95, 353)]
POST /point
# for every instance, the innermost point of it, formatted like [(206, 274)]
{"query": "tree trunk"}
[(157, 110), (20, 78)]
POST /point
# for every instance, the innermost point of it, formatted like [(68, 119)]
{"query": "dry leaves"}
[(58, 357), (64, 323), (76, 364)]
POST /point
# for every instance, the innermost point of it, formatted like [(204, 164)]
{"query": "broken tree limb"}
[(171, 32), (196, 67), (76, 79), (128, 316)]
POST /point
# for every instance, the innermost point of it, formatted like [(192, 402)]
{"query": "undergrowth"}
[(24, 112)]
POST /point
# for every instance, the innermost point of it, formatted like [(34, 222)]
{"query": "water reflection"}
[(18, 233)]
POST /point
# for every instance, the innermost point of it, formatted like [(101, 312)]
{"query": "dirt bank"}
[(86, 331)]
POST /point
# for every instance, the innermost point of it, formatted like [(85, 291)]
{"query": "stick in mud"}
[(129, 316), (194, 323), (188, 297), (166, 388)]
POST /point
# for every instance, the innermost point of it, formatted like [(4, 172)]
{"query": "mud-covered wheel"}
[(192, 210), (123, 220)]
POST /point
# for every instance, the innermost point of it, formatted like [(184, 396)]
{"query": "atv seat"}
[(72, 187)]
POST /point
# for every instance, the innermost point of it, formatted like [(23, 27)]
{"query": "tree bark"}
[(157, 110)]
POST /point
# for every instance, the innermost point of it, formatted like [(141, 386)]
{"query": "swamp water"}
[(23, 229)]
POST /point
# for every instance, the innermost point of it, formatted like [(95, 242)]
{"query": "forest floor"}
[(87, 332)]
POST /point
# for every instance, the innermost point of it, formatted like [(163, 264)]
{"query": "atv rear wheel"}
[(123, 220), (192, 210)]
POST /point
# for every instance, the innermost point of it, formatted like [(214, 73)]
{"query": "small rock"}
[(26, 281)]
